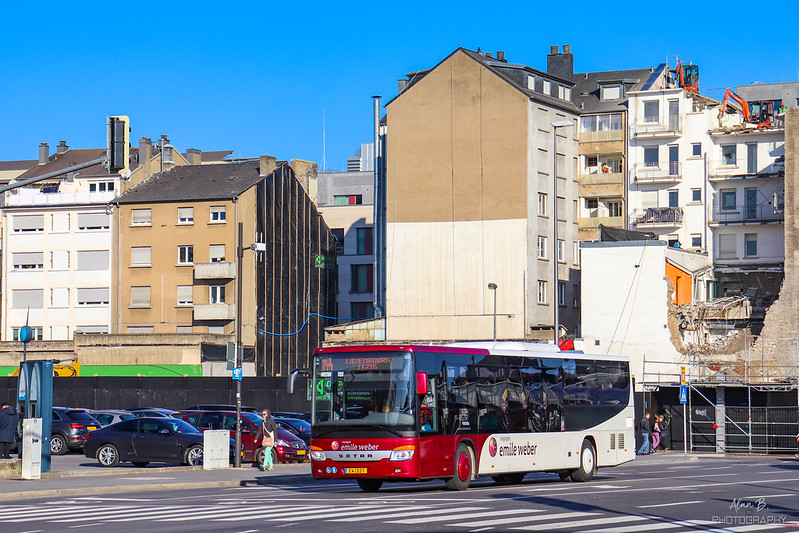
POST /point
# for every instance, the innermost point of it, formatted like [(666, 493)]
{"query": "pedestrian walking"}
[(645, 431), (8, 429), (665, 439), (656, 434), (797, 443), (266, 436)]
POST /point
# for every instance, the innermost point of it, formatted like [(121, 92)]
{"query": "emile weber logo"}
[(509, 449)]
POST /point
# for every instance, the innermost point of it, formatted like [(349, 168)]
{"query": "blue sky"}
[(258, 78)]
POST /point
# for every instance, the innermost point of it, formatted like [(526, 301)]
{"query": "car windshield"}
[(363, 389), (179, 426)]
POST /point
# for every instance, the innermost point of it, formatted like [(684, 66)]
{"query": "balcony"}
[(601, 184), (663, 172), (762, 213), (660, 217), (213, 312), (594, 222), (657, 127), (601, 136), (724, 169), (220, 270)]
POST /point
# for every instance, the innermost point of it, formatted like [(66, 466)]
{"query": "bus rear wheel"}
[(370, 485), (464, 468), (587, 467)]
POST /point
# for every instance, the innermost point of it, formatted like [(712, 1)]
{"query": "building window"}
[(140, 256), (728, 199), (576, 252), (542, 247), (28, 260), (24, 298), (696, 149), (218, 213), (611, 92), (59, 333), (59, 222), (651, 156), (364, 236), (101, 186), (59, 260), (727, 246), (674, 198), (542, 291), (652, 112), (185, 295), (561, 294), (728, 155), (92, 259), (91, 329), (592, 205), (59, 297), (542, 204), (186, 255), (217, 253), (216, 330), (591, 162), (696, 241), (614, 208), (97, 296), (184, 329), (37, 334), (140, 330), (217, 294), (28, 223), (362, 310), (547, 87), (140, 297), (696, 195), (362, 278), (348, 199), (751, 159), (185, 215), (561, 251), (338, 233), (750, 244), (141, 217), (92, 221), (576, 295)]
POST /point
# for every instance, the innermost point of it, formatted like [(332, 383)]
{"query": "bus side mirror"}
[(293, 377), (421, 383)]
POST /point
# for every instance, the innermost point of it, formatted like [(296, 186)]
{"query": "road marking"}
[(458, 516), (105, 515), (152, 478), (770, 496), (288, 517), (668, 504), (99, 499), (535, 518), (48, 513), (658, 526), (578, 525), (362, 514)]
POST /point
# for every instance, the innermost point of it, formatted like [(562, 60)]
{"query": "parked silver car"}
[(110, 416)]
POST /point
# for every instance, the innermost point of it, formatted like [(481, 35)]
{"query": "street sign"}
[(682, 375), (237, 373), (683, 393)]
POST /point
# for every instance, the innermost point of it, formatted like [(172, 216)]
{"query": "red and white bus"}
[(454, 412)]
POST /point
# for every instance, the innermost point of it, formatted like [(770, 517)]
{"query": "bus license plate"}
[(354, 470)]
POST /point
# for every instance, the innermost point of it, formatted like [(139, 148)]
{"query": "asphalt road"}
[(730, 494)]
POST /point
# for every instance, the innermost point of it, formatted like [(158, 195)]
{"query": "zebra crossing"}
[(394, 516)]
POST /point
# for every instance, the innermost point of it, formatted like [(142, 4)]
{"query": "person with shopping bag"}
[(266, 437)]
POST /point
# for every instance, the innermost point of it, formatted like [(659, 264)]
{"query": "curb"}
[(48, 493)]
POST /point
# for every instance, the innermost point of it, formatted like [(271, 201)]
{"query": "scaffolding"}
[(735, 403)]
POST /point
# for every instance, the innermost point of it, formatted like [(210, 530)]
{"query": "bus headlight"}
[(403, 453), (317, 454)]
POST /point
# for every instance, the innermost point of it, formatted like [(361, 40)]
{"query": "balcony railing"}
[(663, 216), (745, 214), (219, 270), (662, 171), (740, 167), (213, 312), (657, 126)]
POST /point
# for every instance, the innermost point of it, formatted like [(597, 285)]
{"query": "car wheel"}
[(587, 463), (108, 455), (464, 468), (58, 444), (274, 457), (194, 456), (370, 485), (140, 463), (259, 456)]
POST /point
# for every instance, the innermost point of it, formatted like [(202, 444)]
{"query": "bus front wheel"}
[(587, 463), (464, 468), (370, 485)]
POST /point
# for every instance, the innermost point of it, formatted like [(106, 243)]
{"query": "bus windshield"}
[(362, 389)]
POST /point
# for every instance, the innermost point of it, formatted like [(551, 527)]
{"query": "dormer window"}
[(611, 91)]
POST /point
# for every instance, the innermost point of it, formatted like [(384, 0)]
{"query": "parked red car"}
[(288, 447)]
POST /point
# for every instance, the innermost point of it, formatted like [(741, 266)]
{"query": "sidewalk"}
[(70, 477)]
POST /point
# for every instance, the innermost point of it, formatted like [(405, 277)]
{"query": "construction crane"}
[(757, 114)]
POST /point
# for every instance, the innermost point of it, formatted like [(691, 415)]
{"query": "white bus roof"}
[(530, 348)]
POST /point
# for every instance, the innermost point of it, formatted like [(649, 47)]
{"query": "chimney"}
[(553, 49), (266, 165), (62, 147), (195, 156), (145, 154), (306, 173), (44, 153), (561, 65), (488, 54), (401, 84), (501, 55)]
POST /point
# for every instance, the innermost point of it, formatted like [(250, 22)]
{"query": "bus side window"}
[(428, 413)]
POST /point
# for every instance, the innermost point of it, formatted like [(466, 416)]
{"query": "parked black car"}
[(298, 427), (144, 440), (292, 414), (70, 429)]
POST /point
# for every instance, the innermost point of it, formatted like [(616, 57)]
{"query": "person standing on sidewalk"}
[(266, 435), (8, 429), (644, 450), (655, 434)]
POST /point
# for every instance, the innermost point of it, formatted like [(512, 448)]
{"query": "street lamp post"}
[(493, 288), (555, 303)]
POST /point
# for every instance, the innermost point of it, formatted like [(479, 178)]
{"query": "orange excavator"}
[(757, 114), (688, 76)]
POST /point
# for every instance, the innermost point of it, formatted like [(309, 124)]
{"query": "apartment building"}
[(177, 242), (470, 193), (346, 201)]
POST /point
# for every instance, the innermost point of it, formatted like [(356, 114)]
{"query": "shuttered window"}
[(98, 296), (142, 217), (185, 215), (28, 223), (728, 246), (24, 298), (28, 260), (92, 221), (217, 252), (185, 295), (93, 260), (140, 296), (141, 255)]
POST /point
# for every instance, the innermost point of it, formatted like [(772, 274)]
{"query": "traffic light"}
[(119, 144)]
